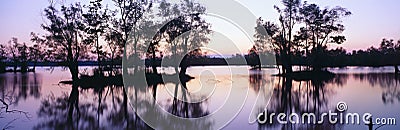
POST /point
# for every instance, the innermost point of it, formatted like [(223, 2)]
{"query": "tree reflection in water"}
[(302, 96), (16, 87), (184, 109), (389, 82), (145, 101), (76, 111), (90, 106), (20, 86), (109, 107)]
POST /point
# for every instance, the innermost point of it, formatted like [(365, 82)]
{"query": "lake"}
[(218, 93)]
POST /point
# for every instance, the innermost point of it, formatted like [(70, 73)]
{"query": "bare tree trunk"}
[(73, 68), (279, 69), (317, 59), (286, 63), (72, 64), (34, 66), (15, 67), (98, 51), (125, 104), (259, 62), (184, 65), (112, 64), (73, 101), (153, 63), (24, 67)]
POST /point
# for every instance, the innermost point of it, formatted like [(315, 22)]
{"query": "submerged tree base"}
[(86, 81), (309, 75), (151, 79)]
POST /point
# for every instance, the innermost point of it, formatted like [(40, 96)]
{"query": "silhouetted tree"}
[(336, 57), (128, 14), (253, 57), (40, 52), (113, 39), (281, 35), (391, 53), (12, 49), (182, 43), (96, 21), (140, 37), (18, 54), (323, 26), (186, 32), (264, 32), (267, 41), (288, 17), (65, 34), (200, 29), (36, 54), (23, 57)]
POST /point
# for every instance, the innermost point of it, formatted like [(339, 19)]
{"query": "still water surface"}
[(38, 101)]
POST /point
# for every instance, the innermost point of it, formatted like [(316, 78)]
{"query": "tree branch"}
[(6, 106)]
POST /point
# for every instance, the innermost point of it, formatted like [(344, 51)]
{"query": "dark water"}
[(38, 101)]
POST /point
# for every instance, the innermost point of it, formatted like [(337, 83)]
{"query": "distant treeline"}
[(387, 54), (55, 64), (339, 57)]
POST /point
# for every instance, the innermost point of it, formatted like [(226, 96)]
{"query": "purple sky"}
[(371, 21)]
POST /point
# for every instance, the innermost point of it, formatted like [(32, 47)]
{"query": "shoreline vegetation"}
[(345, 60), (9, 67)]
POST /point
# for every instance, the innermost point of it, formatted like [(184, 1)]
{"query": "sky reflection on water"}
[(47, 103)]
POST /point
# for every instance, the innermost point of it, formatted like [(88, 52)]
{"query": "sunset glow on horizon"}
[(370, 22)]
